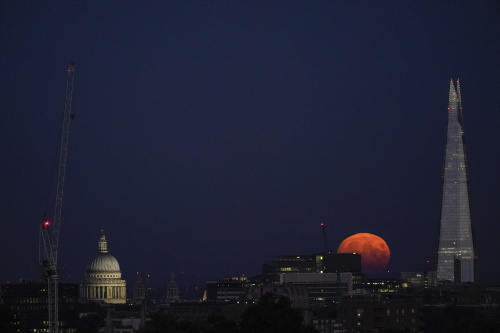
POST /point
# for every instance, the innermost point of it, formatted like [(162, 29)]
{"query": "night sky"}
[(211, 136)]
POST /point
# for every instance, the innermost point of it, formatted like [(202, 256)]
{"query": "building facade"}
[(372, 313), (456, 241), (423, 279), (228, 289), (309, 263), (28, 299), (103, 282)]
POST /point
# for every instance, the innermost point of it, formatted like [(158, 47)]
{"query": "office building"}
[(28, 299), (456, 253)]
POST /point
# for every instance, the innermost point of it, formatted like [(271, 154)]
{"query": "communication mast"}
[(48, 253), (325, 241)]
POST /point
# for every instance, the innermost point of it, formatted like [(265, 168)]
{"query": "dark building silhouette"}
[(228, 289), (29, 300), (300, 263), (342, 262), (374, 313)]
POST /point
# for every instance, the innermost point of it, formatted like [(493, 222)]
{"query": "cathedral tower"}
[(172, 291), (456, 250)]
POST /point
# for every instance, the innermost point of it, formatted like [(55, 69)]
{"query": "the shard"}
[(456, 250)]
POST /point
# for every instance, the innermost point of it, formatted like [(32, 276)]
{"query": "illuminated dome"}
[(103, 263), (103, 282)]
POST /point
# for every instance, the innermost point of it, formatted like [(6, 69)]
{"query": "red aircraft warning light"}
[(46, 224)]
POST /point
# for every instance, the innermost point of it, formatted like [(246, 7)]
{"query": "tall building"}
[(103, 278), (456, 251)]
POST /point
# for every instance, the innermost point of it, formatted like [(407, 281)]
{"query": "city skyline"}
[(211, 136)]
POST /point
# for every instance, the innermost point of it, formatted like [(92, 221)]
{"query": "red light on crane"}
[(46, 223)]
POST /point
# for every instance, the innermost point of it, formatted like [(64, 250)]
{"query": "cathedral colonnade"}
[(102, 292)]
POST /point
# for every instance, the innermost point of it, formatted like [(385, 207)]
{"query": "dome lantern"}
[(103, 244)]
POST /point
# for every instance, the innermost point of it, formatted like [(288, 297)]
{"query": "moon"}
[(374, 251)]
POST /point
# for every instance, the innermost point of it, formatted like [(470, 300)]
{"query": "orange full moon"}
[(374, 251)]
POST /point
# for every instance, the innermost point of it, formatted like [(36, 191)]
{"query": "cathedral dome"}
[(103, 263), (103, 282)]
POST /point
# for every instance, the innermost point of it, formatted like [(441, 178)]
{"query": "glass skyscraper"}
[(456, 252)]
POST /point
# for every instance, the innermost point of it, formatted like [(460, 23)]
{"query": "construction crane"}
[(325, 241), (49, 242)]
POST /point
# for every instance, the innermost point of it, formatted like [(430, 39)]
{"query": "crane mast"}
[(48, 260)]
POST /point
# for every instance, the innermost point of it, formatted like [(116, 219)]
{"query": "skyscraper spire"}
[(456, 255), (452, 96)]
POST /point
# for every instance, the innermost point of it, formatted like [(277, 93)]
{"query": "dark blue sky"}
[(212, 135)]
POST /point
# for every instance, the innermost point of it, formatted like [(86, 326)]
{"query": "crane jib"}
[(49, 243)]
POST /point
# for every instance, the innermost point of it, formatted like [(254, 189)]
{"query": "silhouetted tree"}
[(273, 314), (90, 323), (161, 323), (395, 330), (220, 324), (167, 323), (455, 319)]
